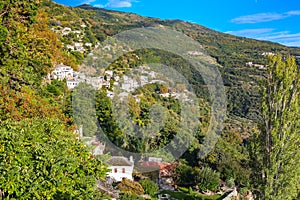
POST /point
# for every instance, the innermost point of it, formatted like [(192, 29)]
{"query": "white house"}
[(66, 31), (144, 80), (77, 31), (110, 94), (70, 47), (249, 64), (121, 167), (61, 72), (88, 44), (72, 84), (268, 54), (109, 73), (79, 46)]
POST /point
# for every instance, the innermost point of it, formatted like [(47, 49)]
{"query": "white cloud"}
[(250, 32), (269, 34), (288, 39), (119, 3), (87, 1), (98, 5), (264, 17), (293, 12)]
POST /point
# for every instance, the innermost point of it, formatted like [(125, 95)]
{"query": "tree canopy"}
[(277, 155), (41, 160)]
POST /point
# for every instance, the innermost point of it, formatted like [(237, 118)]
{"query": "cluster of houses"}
[(129, 84), (79, 46), (268, 54), (259, 66), (79, 34), (126, 84), (122, 167), (73, 78)]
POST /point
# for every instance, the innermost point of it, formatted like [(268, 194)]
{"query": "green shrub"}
[(132, 187), (230, 182), (149, 187), (208, 179), (243, 191)]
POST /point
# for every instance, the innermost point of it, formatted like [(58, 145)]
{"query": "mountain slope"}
[(242, 63), (231, 52)]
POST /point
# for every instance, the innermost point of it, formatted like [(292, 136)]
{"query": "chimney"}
[(131, 159)]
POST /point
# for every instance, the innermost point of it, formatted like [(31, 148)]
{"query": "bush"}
[(208, 179), (230, 182), (184, 175), (132, 187), (149, 187), (243, 191)]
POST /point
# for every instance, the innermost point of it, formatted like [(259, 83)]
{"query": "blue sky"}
[(273, 20)]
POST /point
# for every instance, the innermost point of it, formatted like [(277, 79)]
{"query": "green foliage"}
[(230, 158), (243, 191), (186, 196), (140, 115), (55, 89), (40, 160), (3, 34), (190, 190), (84, 113), (129, 196), (28, 50), (132, 187), (185, 175), (230, 182), (275, 151), (149, 187), (208, 179)]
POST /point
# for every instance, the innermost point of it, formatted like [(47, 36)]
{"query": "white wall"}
[(119, 175)]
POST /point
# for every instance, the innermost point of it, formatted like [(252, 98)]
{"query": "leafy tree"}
[(184, 175), (40, 160), (277, 155), (149, 186)]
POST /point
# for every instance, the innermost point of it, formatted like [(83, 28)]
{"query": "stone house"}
[(121, 167), (61, 72)]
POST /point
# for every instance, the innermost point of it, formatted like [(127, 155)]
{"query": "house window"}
[(123, 170), (116, 170)]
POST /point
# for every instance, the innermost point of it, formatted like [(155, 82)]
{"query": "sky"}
[(272, 20)]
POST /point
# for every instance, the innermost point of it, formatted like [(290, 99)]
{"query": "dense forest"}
[(41, 156)]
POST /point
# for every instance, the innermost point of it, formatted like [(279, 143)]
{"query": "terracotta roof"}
[(119, 161), (157, 165)]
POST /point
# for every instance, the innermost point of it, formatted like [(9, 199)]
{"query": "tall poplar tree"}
[(278, 153)]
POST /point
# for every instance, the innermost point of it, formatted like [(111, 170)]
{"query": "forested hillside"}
[(232, 53), (40, 155)]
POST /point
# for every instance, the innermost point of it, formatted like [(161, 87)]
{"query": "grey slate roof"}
[(119, 161)]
